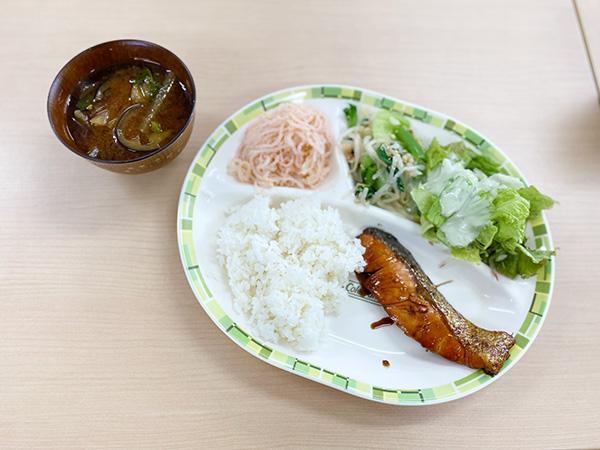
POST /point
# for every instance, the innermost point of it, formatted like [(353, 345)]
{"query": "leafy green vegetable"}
[(510, 212), (147, 82), (423, 198), (410, 143), (486, 161), (479, 218), (155, 127), (468, 213), (523, 262), (84, 102), (469, 253), (367, 169), (382, 153), (435, 154), (428, 231), (147, 74), (486, 236), (361, 188), (442, 174), (457, 193), (351, 116), (138, 81), (400, 184), (537, 201), (153, 88), (385, 124), (434, 215), (145, 77)]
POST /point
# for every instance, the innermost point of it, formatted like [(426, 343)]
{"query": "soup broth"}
[(126, 110)]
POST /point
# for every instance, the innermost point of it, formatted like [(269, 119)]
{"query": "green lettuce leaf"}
[(461, 151), (523, 262), (537, 201), (424, 199), (509, 215), (483, 160), (435, 215), (428, 230), (470, 253), (486, 162), (467, 209), (486, 235), (479, 218), (435, 154)]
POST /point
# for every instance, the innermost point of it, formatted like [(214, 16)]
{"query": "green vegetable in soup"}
[(84, 102), (127, 107), (155, 127), (146, 83)]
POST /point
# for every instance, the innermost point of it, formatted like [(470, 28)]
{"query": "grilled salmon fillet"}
[(413, 302)]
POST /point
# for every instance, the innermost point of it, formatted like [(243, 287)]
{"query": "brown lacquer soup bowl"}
[(126, 106)]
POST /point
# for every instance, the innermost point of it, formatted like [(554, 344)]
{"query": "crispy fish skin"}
[(413, 302)]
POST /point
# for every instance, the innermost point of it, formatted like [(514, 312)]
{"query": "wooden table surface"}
[(102, 342), (588, 14)]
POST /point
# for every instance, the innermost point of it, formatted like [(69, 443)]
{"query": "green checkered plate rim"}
[(398, 396)]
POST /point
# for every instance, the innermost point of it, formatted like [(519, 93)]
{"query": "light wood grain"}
[(102, 343), (588, 12)]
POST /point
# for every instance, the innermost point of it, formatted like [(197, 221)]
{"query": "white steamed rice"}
[(287, 267)]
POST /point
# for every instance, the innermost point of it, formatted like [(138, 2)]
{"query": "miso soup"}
[(125, 110)]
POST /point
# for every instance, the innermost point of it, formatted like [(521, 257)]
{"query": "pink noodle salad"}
[(291, 145)]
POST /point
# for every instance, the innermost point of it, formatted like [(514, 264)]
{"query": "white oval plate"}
[(351, 357)]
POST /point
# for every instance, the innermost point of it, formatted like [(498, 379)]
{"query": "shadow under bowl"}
[(102, 55)]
